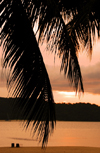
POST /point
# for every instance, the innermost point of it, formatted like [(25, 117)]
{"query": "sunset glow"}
[(62, 90), (67, 94), (84, 98)]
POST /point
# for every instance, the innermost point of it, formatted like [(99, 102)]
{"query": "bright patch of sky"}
[(61, 90)]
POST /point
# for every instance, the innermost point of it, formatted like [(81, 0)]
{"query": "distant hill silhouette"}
[(78, 112), (64, 112)]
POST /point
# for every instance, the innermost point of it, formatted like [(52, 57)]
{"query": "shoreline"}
[(59, 149), (19, 120)]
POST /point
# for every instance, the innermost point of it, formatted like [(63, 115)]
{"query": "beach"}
[(69, 149)]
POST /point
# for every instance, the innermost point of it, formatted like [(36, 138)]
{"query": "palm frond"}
[(52, 28), (81, 29), (85, 22), (84, 17), (18, 18), (28, 78)]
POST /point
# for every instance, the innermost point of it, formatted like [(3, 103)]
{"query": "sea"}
[(64, 134)]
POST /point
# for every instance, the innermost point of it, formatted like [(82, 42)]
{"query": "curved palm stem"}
[(28, 78), (31, 83), (61, 40)]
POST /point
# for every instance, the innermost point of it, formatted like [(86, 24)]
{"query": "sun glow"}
[(67, 94)]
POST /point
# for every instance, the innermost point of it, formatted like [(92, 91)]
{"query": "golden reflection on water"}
[(65, 134)]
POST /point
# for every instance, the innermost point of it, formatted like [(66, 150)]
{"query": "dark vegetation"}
[(64, 112), (78, 112), (28, 77)]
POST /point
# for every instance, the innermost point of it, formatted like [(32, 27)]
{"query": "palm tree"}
[(65, 27)]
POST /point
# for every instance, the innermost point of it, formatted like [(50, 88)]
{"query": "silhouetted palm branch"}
[(66, 38), (28, 77), (85, 21), (51, 27)]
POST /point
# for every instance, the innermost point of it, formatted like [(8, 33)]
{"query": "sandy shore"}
[(50, 150)]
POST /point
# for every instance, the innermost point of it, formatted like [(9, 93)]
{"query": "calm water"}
[(65, 134)]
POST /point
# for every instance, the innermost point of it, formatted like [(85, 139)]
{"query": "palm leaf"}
[(64, 39), (84, 19), (52, 28), (28, 78)]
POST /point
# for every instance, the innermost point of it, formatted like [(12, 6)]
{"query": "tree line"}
[(64, 112)]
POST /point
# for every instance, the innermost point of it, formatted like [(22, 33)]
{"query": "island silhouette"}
[(64, 111)]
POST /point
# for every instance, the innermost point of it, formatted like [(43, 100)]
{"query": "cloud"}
[(58, 80), (91, 79)]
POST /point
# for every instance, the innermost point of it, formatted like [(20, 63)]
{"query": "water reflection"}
[(25, 139), (65, 134)]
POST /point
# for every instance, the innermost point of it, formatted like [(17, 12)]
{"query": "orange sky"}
[(62, 91)]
